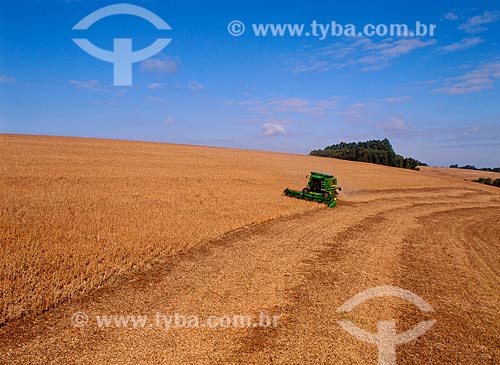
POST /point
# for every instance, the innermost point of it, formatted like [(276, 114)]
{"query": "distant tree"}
[(472, 167), (494, 169), (373, 151), (469, 167), (485, 180)]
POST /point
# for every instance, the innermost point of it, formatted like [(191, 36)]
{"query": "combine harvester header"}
[(321, 188)]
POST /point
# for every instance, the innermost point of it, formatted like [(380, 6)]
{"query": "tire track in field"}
[(457, 257), (244, 272), (302, 267), (367, 255)]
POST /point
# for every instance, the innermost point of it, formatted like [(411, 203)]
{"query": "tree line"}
[(472, 167), (374, 151), (488, 181)]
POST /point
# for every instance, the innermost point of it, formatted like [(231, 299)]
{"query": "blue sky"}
[(436, 98)]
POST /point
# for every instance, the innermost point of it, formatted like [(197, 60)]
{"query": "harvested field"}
[(139, 228), (459, 173)]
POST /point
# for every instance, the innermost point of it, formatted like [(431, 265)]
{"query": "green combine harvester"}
[(321, 188)]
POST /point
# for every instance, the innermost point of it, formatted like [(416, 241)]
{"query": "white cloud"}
[(462, 44), (394, 124), (422, 84), (475, 24), (360, 52), (479, 79), (450, 16), (305, 106), (169, 121), (195, 85), (95, 85), (157, 99), (315, 108), (104, 102), (291, 103), (161, 65), (398, 99), (90, 84), (354, 113), (154, 86), (400, 47), (273, 128), (5, 79)]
